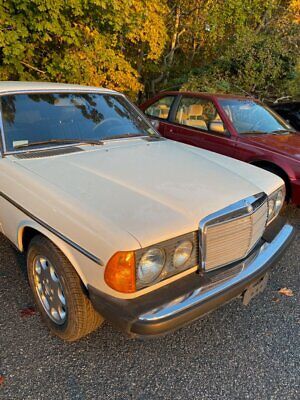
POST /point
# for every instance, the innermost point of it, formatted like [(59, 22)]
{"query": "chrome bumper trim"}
[(251, 266)]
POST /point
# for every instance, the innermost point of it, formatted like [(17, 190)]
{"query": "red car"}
[(236, 126)]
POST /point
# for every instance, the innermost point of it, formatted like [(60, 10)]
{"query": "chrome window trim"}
[(241, 208), (57, 90)]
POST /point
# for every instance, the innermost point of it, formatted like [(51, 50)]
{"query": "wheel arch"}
[(275, 168), (27, 230)]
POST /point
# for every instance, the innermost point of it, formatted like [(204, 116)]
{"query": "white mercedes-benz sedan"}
[(119, 223)]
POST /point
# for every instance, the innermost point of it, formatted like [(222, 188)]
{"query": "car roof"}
[(206, 94), (12, 86)]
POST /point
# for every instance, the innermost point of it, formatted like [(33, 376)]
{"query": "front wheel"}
[(58, 291)]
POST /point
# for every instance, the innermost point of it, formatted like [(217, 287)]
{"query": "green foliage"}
[(131, 45), (236, 46), (95, 42), (293, 85), (259, 64)]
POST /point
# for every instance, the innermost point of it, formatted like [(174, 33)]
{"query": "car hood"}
[(151, 190), (284, 144)]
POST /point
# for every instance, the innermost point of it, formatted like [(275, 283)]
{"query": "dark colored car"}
[(236, 126), (290, 112)]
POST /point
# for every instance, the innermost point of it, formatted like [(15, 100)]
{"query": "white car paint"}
[(122, 195)]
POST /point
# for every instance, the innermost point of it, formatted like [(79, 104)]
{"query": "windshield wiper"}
[(253, 133), (123, 135), (147, 136), (58, 141), (278, 131)]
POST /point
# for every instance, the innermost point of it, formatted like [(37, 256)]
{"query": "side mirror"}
[(154, 123), (217, 126)]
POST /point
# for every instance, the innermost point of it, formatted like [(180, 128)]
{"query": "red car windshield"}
[(249, 117)]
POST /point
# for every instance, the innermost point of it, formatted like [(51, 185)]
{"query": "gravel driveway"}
[(236, 352)]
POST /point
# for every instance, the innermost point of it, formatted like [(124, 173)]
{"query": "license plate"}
[(256, 288)]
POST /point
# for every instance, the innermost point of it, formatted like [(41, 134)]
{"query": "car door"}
[(159, 111), (195, 120)]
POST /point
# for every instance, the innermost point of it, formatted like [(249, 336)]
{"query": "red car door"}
[(195, 120), (158, 112)]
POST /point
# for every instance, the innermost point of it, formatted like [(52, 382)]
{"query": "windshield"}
[(48, 119), (248, 116)]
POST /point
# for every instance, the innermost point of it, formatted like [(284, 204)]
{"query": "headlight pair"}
[(165, 259), (275, 203), (128, 271)]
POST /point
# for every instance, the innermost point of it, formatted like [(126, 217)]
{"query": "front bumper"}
[(195, 295)]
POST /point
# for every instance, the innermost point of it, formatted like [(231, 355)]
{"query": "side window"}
[(199, 113), (161, 108)]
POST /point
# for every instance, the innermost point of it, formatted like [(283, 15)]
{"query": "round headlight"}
[(275, 203), (279, 201), (151, 265), (271, 208), (182, 253)]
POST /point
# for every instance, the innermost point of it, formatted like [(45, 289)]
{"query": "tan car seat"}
[(163, 111), (194, 117), (217, 125)]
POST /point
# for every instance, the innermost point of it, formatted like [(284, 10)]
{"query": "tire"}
[(72, 315)]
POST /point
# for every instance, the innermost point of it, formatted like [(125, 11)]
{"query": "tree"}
[(241, 45), (144, 46), (294, 8), (96, 42), (261, 64)]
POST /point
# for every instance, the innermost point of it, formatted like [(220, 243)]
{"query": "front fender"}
[(67, 250)]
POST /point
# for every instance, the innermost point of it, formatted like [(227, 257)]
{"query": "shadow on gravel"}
[(293, 215), (12, 255)]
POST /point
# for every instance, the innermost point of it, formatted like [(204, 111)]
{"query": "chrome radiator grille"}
[(231, 237)]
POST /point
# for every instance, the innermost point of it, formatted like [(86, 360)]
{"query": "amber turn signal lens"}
[(120, 272)]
